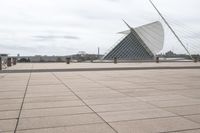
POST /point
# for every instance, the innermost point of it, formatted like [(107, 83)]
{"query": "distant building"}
[(80, 57), (170, 54), (39, 58), (141, 43), (3, 55)]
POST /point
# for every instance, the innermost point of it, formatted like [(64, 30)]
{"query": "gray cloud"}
[(37, 49), (50, 37), (86, 24), (18, 47)]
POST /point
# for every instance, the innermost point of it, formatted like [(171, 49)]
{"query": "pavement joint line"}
[(9, 98), (177, 115), (181, 130), (54, 107), (57, 115), (190, 115), (84, 102), (97, 105), (98, 69), (8, 118), (9, 110), (183, 116), (49, 101), (70, 100), (81, 106), (180, 106), (64, 126), (164, 108), (142, 119), (47, 96), (18, 118), (165, 100), (99, 113), (94, 124), (3, 91), (171, 111), (110, 103), (43, 84)]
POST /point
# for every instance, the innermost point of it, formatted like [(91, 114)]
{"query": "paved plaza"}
[(126, 101)]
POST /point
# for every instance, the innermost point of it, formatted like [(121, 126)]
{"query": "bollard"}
[(0, 63), (14, 61), (68, 60), (9, 62), (157, 59), (195, 59), (115, 60)]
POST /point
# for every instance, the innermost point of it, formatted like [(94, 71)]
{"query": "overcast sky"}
[(63, 27)]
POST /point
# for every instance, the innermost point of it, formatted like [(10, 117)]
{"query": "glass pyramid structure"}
[(141, 43)]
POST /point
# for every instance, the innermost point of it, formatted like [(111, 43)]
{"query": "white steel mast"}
[(171, 29)]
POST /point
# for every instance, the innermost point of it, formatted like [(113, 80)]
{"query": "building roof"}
[(1, 54), (152, 34), (147, 39)]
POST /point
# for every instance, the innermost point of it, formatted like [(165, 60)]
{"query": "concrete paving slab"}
[(7, 125), (191, 93), (14, 82), (121, 107), (132, 90), (195, 118), (134, 115), (110, 100), (92, 89), (43, 82), (91, 128), (4, 95), (145, 93), (49, 94), (178, 102), (100, 95), (84, 85), (56, 121), (52, 104), (154, 125), (162, 97), (12, 88), (9, 114), (185, 110), (9, 107), (10, 101), (55, 111), (171, 87), (189, 131), (50, 99), (46, 88)]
